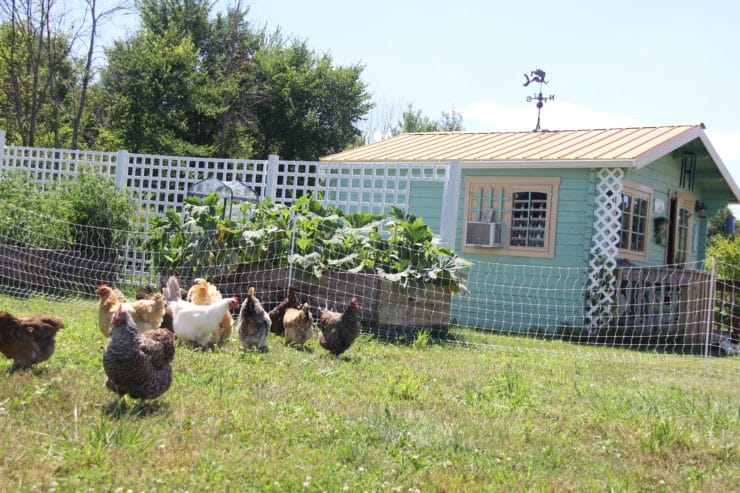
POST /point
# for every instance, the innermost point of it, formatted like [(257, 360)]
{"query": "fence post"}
[(2, 149), (710, 312), (273, 161), (450, 204), (121, 170)]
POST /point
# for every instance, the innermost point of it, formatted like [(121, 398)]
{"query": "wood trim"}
[(644, 192), (547, 184)]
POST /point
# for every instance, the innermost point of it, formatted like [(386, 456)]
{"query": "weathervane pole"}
[(538, 76)]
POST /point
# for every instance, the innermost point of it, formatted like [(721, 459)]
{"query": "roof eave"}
[(551, 164), (683, 139)]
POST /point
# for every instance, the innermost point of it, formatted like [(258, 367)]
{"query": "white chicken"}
[(195, 323)]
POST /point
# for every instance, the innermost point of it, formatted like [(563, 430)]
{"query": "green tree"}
[(158, 94), (36, 75), (717, 223), (308, 108), (412, 120)]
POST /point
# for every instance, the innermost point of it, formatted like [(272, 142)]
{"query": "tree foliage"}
[(412, 120), (309, 107), (187, 82)]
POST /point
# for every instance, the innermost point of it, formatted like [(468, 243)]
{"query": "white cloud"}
[(556, 115)]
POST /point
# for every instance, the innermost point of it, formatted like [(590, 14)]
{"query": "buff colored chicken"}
[(298, 325), (145, 314), (204, 293)]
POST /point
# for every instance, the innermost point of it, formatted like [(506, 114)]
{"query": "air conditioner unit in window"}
[(481, 234)]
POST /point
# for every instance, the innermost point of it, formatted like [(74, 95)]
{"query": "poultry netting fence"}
[(677, 316)]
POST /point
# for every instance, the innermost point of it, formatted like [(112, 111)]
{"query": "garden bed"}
[(28, 269), (382, 303)]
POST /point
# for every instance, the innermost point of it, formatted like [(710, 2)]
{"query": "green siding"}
[(426, 202), (510, 293), (663, 176)]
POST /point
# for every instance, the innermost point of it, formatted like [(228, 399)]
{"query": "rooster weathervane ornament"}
[(537, 76)]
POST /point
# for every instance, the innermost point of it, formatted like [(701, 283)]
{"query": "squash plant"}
[(197, 241), (400, 248)]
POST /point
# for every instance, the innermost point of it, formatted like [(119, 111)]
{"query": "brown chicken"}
[(205, 293), (339, 330), (298, 325), (147, 314), (138, 364), (28, 340), (277, 313), (254, 323)]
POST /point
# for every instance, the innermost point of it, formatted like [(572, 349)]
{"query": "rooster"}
[(28, 340), (339, 330), (298, 325), (277, 313), (254, 323), (196, 323), (138, 364), (146, 314), (204, 293)]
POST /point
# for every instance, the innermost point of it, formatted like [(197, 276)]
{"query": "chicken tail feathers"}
[(172, 290)]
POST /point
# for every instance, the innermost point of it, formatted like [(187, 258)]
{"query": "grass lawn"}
[(386, 417)]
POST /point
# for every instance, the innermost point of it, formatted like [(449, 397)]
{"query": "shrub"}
[(80, 212)]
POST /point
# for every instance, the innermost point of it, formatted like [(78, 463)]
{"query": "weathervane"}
[(538, 76)]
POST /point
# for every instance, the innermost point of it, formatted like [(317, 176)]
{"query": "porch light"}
[(701, 209)]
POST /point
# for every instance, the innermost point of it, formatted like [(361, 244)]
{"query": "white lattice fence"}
[(49, 166), (604, 247), (161, 182), (372, 187)]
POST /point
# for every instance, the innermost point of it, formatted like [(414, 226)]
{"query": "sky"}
[(608, 64)]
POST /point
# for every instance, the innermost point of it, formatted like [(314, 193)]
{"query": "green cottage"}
[(559, 223)]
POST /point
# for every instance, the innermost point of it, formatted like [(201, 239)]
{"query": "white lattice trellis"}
[(372, 187), (604, 247)]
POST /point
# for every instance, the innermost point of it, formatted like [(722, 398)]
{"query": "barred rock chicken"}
[(138, 364), (254, 323), (298, 325), (277, 313), (339, 330), (28, 340), (196, 323), (146, 314), (204, 293)]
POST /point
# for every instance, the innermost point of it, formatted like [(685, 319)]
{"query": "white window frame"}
[(503, 190)]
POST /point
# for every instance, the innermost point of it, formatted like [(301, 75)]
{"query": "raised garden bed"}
[(26, 270)]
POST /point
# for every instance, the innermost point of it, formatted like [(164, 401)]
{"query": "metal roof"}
[(617, 144), (616, 147)]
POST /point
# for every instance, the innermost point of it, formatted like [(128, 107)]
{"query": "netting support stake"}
[(710, 312), (292, 248), (2, 149)]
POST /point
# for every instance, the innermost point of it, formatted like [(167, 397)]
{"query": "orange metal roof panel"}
[(562, 145)]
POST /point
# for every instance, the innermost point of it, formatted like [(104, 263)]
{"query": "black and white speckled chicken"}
[(138, 364), (254, 323), (339, 330)]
